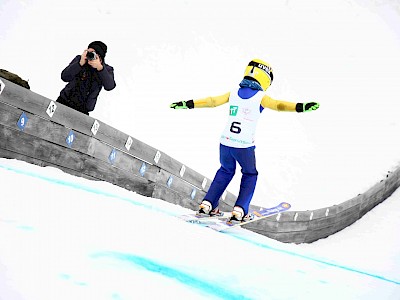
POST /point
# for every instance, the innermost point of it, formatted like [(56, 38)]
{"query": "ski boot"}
[(206, 210), (238, 216)]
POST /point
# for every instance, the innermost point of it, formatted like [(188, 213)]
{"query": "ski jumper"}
[(237, 140)]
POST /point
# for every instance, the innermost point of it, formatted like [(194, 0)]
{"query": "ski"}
[(224, 224), (203, 219)]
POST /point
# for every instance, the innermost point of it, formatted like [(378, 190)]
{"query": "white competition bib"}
[(242, 122)]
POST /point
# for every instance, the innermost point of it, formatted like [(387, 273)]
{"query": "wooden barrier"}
[(309, 226), (43, 132)]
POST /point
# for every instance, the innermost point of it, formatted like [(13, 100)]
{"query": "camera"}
[(91, 55)]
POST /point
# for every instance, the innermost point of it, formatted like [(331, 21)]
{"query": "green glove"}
[(305, 107), (182, 105)]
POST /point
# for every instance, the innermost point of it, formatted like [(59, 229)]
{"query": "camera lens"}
[(91, 55)]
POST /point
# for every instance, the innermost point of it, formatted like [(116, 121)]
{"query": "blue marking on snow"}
[(147, 206), (331, 264), (65, 276), (85, 188), (183, 277), (116, 296), (22, 227), (25, 227)]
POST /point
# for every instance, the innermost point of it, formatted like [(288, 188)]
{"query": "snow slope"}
[(64, 237)]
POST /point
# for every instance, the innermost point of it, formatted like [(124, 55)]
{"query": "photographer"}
[(86, 75)]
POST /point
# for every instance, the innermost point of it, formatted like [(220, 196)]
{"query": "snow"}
[(65, 237), (343, 55)]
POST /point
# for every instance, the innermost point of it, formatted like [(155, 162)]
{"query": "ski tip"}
[(285, 205)]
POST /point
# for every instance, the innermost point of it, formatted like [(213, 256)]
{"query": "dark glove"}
[(305, 107), (182, 105)]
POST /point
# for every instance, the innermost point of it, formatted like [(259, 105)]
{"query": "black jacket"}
[(84, 85)]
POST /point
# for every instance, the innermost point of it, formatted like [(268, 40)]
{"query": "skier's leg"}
[(223, 176), (247, 160)]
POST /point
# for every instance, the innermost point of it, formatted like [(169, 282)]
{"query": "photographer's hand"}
[(96, 63), (83, 58)]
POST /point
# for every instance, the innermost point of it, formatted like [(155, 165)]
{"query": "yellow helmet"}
[(259, 71)]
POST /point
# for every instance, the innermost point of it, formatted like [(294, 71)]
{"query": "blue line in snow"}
[(258, 244), (331, 264), (181, 276), (85, 188)]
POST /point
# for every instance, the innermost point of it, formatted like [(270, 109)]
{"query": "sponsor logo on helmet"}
[(261, 66), (264, 67)]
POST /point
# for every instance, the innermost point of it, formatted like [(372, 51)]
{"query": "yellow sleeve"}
[(212, 101), (268, 102)]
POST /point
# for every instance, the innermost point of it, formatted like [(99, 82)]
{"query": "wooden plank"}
[(289, 216), (392, 183), (350, 204), (37, 126), (337, 221), (373, 197), (164, 193), (180, 186), (184, 172), (320, 220), (271, 225), (369, 206), (57, 134), (302, 216), (19, 142), (319, 214), (375, 193), (351, 212), (317, 234)]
